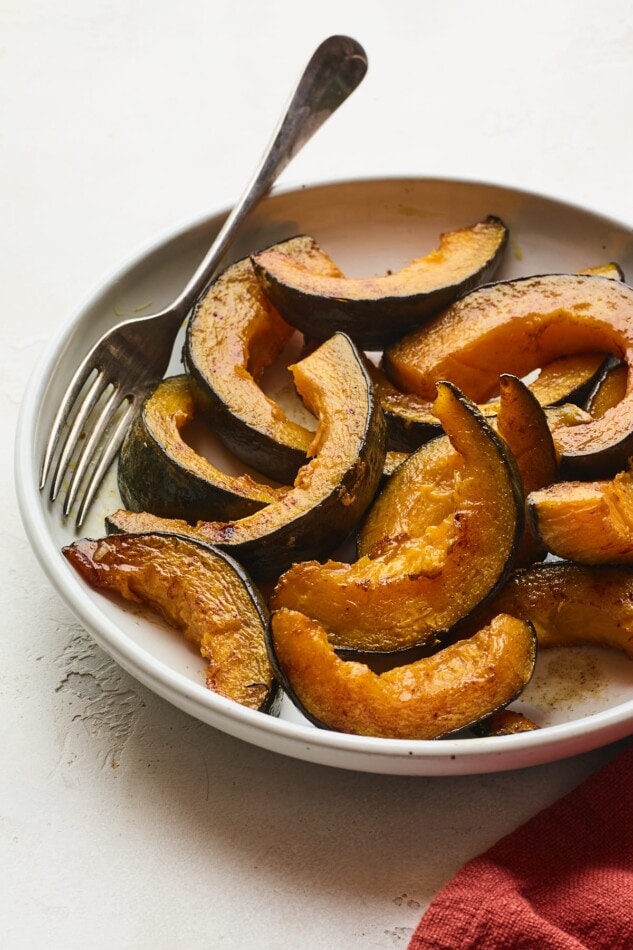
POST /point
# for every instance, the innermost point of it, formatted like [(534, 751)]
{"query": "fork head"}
[(99, 405)]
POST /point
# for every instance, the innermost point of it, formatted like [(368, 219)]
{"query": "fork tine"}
[(77, 383), (102, 466), (105, 415), (90, 400)]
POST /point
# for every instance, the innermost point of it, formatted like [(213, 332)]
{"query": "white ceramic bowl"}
[(368, 226)]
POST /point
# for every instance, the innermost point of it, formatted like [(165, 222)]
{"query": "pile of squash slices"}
[(465, 430)]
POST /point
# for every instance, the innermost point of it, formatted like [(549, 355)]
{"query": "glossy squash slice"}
[(410, 421), (233, 336), (160, 472), (432, 697), (586, 522), (422, 493), (332, 490), (432, 570), (199, 591), (313, 295), (516, 326), (570, 604)]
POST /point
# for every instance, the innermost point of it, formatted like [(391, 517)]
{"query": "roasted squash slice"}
[(612, 269), (313, 295), (505, 722), (427, 576), (586, 522), (423, 493), (199, 591), (570, 604), (516, 326), (160, 473), (234, 334), (331, 492), (410, 419), (609, 388), (427, 699)]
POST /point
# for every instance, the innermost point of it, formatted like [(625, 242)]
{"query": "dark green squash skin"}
[(317, 532), (372, 324), (271, 457), (276, 459), (151, 478)]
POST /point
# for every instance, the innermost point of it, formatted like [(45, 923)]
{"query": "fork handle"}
[(336, 68)]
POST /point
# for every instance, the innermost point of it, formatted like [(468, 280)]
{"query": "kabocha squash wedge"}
[(160, 473), (313, 295), (586, 522), (423, 581), (199, 591), (331, 492), (233, 335), (423, 494), (516, 326), (609, 388), (505, 722), (427, 699), (523, 425), (570, 604), (410, 419)]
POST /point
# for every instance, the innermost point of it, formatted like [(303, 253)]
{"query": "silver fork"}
[(129, 361)]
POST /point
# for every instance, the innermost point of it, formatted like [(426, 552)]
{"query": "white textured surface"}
[(122, 821)]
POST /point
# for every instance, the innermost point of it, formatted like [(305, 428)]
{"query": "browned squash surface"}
[(423, 700), (570, 604), (410, 419), (200, 592), (423, 494), (233, 336), (423, 577), (331, 492), (609, 388), (312, 294), (505, 722), (586, 522), (516, 326)]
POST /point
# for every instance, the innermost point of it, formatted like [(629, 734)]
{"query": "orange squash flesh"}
[(200, 592), (424, 493), (234, 334), (423, 700), (331, 492), (423, 580), (586, 522), (312, 293), (410, 419), (570, 604), (517, 326)]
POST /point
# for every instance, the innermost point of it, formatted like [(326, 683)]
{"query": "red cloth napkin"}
[(562, 881)]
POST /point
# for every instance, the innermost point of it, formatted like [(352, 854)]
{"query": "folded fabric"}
[(562, 881)]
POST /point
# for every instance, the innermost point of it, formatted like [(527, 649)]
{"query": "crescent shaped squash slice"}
[(160, 473), (516, 326), (423, 492), (233, 336), (199, 591), (331, 491), (410, 419), (314, 296), (436, 570), (432, 697), (570, 604), (586, 522)]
